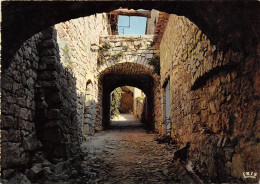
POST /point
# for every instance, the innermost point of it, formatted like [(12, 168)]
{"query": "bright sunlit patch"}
[(124, 117), (120, 118)]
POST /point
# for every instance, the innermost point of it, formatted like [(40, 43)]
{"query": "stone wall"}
[(138, 97), (49, 90), (126, 100), (78, 41), (214, 101), (139, 108), (127, 56), (19, 141), (151, 22), (56, 121), (39, 119), (157, 113), (125, 48)]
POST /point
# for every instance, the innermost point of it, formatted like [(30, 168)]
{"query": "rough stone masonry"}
[(53, 88)]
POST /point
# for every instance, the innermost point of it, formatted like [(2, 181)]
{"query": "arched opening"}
[(213, 81), (127, 74), (89, 110), (127, 108), (218, 27)]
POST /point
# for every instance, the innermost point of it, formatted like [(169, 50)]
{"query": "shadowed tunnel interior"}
[(127, 74)]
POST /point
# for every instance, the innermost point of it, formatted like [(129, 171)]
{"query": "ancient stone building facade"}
[(54, 90), (49, 96), (78, 41), (124, 60), (38, 109), (213, 106)]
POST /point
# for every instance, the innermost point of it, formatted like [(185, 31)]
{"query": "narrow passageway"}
[(188, 73), (125, 122), (126, 153)]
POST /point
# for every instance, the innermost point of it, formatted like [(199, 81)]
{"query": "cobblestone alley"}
[(183, 76), (126, 153)]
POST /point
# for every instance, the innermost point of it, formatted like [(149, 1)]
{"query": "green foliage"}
[(134, 54), (120, 54), (139, 45), (116, 57), (149, 46), (104, 55), (101, 58), (125, 47), (155, 61), (139, 99), (152, 44), (68, 61), (106, 46), (115, 102), (130, 39)]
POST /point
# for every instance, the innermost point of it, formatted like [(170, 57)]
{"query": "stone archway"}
[(232, 29), (125, 48), (219, 27), (122, 74)]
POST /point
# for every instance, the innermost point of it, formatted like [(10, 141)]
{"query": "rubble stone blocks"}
[(126, 48), (81, 39), (202, 87), (39, 97), (53, 87)]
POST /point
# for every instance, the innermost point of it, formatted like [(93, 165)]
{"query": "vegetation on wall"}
[(125, 47), (116, 96), (105, 56), (139, 46), (130, 39), (103, 53), (67, 59), (116, 57), (134, 54), (139, 99), (155, 62)]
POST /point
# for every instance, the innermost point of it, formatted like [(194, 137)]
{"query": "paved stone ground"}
[(128, 154)]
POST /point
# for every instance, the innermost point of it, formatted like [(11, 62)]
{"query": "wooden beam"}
[(131, 13)]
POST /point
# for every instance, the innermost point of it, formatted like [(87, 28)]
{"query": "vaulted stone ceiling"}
[(131, 74), (227, 24)]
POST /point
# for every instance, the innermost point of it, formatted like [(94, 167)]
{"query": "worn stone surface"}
[(152, 22), (53, 90), (40, 97), (213, 101), (126, 100), (127, 154), (139, 108), (18, 109), (125, 48), (77, 40)]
